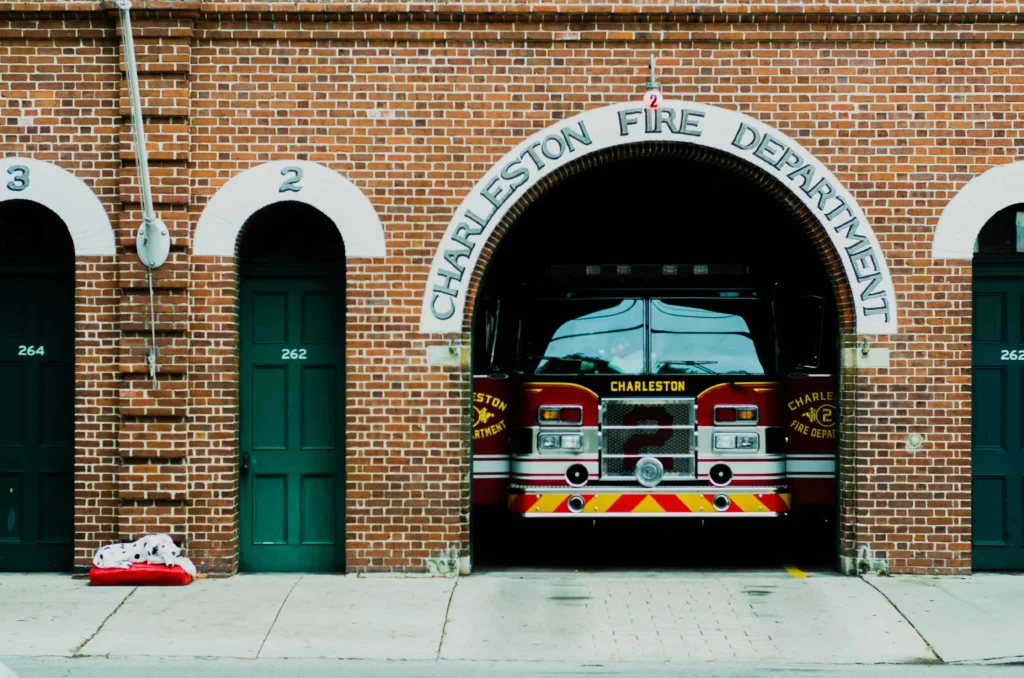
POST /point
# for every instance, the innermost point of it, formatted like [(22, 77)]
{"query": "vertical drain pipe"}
[(153, 241)]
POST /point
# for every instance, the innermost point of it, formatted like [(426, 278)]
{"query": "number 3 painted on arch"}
[(20, 180)]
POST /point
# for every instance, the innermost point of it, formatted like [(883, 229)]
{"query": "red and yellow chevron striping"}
[(639, 503)]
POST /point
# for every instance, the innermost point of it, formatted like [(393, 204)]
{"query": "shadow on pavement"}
[(501, 541)]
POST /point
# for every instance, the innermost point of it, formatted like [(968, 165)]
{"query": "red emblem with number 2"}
[(652, 98)]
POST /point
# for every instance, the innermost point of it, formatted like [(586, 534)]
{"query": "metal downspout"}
[(153, 240)]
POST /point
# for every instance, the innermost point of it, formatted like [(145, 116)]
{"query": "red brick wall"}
[(903, 107), (62, 81)]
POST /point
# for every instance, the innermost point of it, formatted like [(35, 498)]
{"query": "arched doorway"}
[(37, 389), (844, 244), (292, 391), (715, 297), (997, 459), (294, 196)]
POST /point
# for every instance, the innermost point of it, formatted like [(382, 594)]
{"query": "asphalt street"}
[(223, 668)]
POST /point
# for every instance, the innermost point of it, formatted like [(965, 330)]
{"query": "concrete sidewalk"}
[(964, 619), (676, 617), (760, 616)]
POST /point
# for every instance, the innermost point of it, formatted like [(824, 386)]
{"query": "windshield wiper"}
[(689, 363), (573, 358), (570, 358)]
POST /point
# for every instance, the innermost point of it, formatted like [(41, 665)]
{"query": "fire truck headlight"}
[(737, 441), (559, 441), (548, 441), (747, 441)]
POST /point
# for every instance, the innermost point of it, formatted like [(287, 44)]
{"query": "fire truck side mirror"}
[(804, 332), (486, 337)]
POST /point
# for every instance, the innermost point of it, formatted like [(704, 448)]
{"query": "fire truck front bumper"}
[(691, 502)]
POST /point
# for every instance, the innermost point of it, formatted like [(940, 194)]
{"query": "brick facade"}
[(413, 103)]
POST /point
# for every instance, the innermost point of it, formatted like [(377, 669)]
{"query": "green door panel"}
[(292, 387), (998, 438), (36, 420)]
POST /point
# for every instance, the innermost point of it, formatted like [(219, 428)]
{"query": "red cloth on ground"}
[(139, 574)]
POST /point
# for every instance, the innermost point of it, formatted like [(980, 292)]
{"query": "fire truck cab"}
[(624, 390)]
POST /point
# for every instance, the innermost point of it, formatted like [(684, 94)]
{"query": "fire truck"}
[(668, 390)]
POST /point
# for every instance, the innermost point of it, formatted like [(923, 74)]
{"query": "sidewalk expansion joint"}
[(447, 609), (273, 623), (81, 646), (1009, 660), (905, 617)]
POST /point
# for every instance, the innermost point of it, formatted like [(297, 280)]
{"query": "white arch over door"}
[(444, 295), (971, 208), (289, 180), (66, 195)]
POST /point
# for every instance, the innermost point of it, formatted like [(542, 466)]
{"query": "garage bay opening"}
[(655, 366)]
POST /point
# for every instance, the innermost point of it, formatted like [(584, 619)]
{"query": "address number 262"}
[(1012, 355)]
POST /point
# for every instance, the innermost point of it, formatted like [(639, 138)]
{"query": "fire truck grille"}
[(660, 412), (663, 428)]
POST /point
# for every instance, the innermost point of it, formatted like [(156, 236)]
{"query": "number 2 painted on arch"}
[(291, 184)]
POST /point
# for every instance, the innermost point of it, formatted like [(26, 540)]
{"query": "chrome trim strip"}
[(660, 489), (692, 514)]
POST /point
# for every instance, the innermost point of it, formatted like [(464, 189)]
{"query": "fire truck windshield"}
[(687, 336), (711, 336), (593, 336)]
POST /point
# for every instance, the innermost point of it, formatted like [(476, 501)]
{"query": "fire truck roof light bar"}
[(619, 271)]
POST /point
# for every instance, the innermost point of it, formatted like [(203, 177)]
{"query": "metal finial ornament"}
[(652, 97)]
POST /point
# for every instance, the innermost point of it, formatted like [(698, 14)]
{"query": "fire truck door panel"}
[(998, 471), (292, 390), (493, 423), (810, 418)]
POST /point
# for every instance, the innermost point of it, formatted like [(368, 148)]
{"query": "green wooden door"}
[(37, 414), (292, 391), (998, 437)]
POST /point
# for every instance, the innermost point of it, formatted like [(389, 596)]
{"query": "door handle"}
[(245, 463)]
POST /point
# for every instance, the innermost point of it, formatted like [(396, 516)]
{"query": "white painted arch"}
[(445, 291), (66, 195), (971, 208), (289, 180)]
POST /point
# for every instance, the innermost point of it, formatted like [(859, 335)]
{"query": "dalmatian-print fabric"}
[(155, 549)]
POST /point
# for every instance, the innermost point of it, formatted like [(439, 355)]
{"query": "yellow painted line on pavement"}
[(796, 571)]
